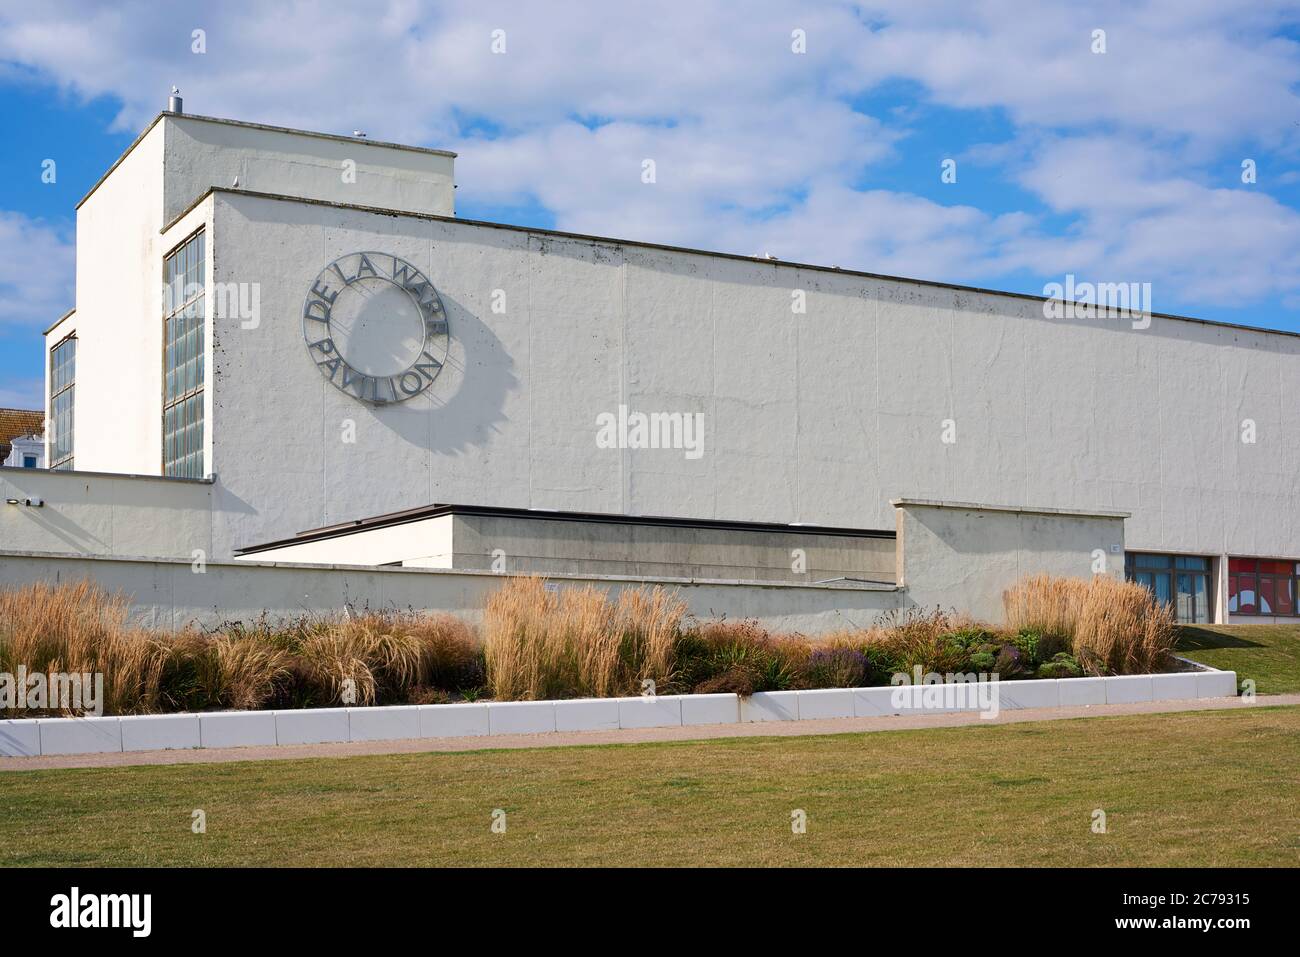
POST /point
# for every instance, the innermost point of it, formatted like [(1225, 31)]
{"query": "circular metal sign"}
[(375, 327)]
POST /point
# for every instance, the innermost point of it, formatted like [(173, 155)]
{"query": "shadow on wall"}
[(467, 401)]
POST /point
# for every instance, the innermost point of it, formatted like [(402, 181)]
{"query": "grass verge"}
[(1269, 654), (1189, 789)]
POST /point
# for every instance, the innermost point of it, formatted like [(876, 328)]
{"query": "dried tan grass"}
[(1113, 627), (250, 673), (386, 654), (577, 642), (1044, 604), (901, 641), (79, 627), (1122, 629)]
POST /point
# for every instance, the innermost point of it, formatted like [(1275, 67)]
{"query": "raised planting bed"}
[(27, 737)]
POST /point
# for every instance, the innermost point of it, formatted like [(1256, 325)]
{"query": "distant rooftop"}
[(15, 423)]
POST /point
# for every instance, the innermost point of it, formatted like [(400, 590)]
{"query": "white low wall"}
[(173, 594), (90, 513), (963, 555), (230, 729)]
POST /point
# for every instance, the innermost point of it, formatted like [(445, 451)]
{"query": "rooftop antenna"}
[(174, 102)]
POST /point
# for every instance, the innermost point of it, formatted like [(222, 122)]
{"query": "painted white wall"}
[(97, 514), (962, 556), (819, 418), (536, 544), (424, 544), (118, 321), (171, 594), (202, 152), (146, 206)]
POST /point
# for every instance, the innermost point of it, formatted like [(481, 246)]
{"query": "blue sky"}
[(1116, 166)]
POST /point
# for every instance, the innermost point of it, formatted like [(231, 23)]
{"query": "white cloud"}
[(36, 271), (1132, 153), (1202, 69), (1218, 242)]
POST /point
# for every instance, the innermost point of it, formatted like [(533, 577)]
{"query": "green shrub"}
[(1062, 665), (740, 657), (1028, 641), (1010, 663)]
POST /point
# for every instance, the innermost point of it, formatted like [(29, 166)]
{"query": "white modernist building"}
[(296, 332)]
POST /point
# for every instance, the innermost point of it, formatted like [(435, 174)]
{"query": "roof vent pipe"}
[(174, 102)]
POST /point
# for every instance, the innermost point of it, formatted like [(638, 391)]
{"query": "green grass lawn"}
[(1270, 654), (1197, 788)]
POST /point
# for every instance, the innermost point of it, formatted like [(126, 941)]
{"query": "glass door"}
[(1182, 581)]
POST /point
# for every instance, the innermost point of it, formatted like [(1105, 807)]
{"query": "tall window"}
[(63, 380), (1263, 586), (183, 319), (1179, 580)]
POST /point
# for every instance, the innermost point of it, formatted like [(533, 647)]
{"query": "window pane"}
[(1285, 596), (1152, 561), (1186, 561), (1164, 591), (1183, 608), (1249, 595), (183, 360), (62, 391), (1200, 598)]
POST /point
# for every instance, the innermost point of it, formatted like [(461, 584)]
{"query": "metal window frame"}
[(1257, 576), (65, 462), (178, 401), (1173, 571)]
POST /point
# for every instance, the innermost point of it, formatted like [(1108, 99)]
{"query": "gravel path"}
[(632, 736)]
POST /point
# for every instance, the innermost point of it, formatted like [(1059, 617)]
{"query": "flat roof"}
[(59, 321), (257, 126), (738, 257), (1016, 509), (542, 514)]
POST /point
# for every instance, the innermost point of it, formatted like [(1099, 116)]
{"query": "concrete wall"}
[(536, 544), (118, 322), (1263, 619), (551, 546), (820, 417), (201, 153), (956, 555), (115, 515), (143, 209), (817, 417), (423, 544), (171, 594)]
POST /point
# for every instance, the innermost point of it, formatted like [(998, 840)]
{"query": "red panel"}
[(1285, 598), (1243, 586), (1267, 600)]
